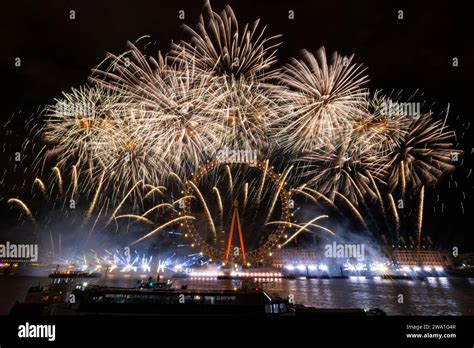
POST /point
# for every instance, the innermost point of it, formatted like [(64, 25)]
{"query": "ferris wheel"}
[(235, 206)]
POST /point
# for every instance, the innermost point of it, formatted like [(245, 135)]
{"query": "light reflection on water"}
[(434, 296)]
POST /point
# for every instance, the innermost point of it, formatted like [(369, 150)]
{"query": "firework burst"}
[(173, 106), (239, 59), (220, 46), (322, 98), (74, 125), (345, 165), (424, 156), (383, 130)]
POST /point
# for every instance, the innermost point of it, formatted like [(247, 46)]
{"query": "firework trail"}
[(277, 193), (94, 225), (262, 183), (395, 215), (136, 217), (23, 207), (307, 195), (74, 180), (321, 196), (420, 215), (57, 172), (229, 177), (403, 178), (38, 182), (154, 189), (174, 175), (94, 200), (156, 207), (303, 227), (206, 208), (353, 209), (377, 191), (182, 199), (122, 202), (162, 227), (246, 191), (220, 205)]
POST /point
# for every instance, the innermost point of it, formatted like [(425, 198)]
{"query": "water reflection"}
[(433, 296)]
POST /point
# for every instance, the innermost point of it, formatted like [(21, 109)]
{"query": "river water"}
[(433, 296)]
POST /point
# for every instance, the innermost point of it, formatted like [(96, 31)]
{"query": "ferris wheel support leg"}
[(241, 237), (229, 242)]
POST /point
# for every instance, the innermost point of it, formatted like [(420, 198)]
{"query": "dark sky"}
[(411, 54)]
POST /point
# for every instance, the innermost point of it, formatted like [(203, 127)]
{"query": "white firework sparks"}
[(322, 98)]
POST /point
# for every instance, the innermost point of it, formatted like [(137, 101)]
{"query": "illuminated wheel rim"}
[(216, 254)]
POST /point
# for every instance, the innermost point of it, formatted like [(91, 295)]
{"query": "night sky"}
[(415, 53)]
